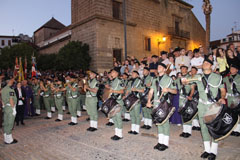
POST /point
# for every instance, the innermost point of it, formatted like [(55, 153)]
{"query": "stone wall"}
[(93, 23), (54, 47)]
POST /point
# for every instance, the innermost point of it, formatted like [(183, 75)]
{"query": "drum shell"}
[(162, 113), (130, 101), (108, 105), (221, 126), (189, 110)]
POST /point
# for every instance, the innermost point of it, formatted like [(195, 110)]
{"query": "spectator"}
[(164, 57), (232, 59), (197, 61), (190, 54), (238, 52), (153, 66), (222, 61), (172, 68), (20, 108), (126, 66), (182, 60)]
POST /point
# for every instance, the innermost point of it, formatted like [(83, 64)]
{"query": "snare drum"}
[(220, 121), (189, 110), (162, 113), (110, 107), (130, 101)]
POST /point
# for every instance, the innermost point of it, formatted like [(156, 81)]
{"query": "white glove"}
[(14, 111)]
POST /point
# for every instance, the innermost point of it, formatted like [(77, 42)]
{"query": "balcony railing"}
[(178, 33)]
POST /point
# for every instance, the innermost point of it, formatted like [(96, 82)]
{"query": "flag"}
[(34, 66), (21, 74), (25, 68), (16, 68)]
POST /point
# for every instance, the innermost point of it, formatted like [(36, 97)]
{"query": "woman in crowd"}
[(222, 61)]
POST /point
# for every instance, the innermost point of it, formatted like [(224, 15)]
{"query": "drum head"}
[(212, 112), (116, 109)]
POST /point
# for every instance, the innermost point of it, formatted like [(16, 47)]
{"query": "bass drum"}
[(110, 107), (162, 113), (220, 121), (189, 110), (130, 101)]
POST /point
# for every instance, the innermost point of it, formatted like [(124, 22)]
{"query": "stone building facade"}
[(99, 23)]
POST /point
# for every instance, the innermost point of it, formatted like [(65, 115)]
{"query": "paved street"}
[(42, 139)]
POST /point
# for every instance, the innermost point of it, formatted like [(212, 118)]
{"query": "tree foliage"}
[(9, 54), (73, 56)]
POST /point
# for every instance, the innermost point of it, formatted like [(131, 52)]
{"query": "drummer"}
[(117, 89), (126, 115), (185, 93), (147, 80), (166, 85), (107, 85), (135, 87), (207, 94), (233, 90)]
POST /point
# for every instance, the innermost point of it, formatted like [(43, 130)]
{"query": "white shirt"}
[(182, 60), (20, 102), (197, 62), (166, 61)]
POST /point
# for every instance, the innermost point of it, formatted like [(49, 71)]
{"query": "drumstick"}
[(159, 98)]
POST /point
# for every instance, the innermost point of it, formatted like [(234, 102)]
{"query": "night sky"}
[(19, 16)]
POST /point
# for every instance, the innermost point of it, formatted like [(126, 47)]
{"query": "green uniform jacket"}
[(8, 93), (117, 84), (230, 82), (93, 83), (136, 84), (165, 82)]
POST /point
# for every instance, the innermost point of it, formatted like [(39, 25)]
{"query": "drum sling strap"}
[(234, 87), (135, 93), (209, 92), (117, 95), (159, 90), (183, 89)]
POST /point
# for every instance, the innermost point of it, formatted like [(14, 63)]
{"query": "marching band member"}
[(162, 85), (72, 99), (126, 115), (233, 90), (117, 89), (46, 97), (9, 101), (58, 98), (36, 96), (195, 122), (107, 85), (186, 93), (208, 89), (91, 101), (147, 80), (135, 87)]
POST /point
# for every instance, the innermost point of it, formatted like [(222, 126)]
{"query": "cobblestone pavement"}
[(42, 139)]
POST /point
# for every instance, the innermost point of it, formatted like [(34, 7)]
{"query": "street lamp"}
[(161, 41)]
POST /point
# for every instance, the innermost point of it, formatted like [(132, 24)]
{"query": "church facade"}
[(152, 26)]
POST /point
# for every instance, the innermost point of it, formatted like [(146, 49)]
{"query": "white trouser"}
[(49, 114), (74, 119), (60, 117)]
